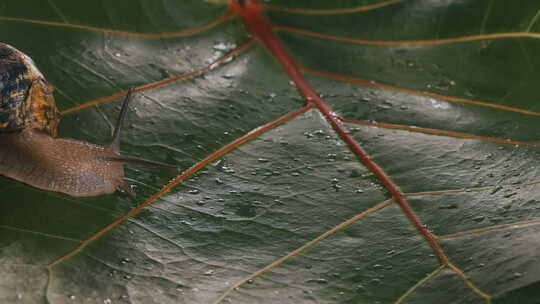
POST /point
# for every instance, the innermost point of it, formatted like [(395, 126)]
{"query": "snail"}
[(31, 152)]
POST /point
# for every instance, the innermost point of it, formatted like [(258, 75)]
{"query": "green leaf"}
[(277, 202)]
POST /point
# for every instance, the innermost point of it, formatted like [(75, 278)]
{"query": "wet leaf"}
[(332, 152)]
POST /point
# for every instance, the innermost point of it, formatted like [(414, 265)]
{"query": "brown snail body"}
[(31, 153), (59, 164)]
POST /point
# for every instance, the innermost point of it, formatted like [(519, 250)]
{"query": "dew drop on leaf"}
[(478, 219), (224, 46), (318, 132), (449, 206), (318, 281)]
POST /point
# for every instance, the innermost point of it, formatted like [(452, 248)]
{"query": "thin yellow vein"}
[(356, 9), (419, 284), (406, 42), (475, 189), (297, 251), (48, 284), (478, 291), (90, 28), (22, 265), (40, 233), (490, 228), (533, 21), (485, 18)]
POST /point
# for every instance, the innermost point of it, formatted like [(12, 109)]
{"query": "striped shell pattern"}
[(26, 99)]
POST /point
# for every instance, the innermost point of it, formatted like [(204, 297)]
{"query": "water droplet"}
[(439, 104), (107, 301), (228, 169), (377, 266), (124, 261), (497, 188), (295, 174), (194, 191), (478, 219), (262, 160), (117, 54), (218, 181), (224, 46), (449, 206), (507, 195), (318, 281), (128, 277), (209, 272), (361, 289)]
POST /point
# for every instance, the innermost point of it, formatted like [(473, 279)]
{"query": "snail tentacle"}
[(31, 153), (115, 144)]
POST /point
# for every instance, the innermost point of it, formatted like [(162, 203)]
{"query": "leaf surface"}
[(332, 152)]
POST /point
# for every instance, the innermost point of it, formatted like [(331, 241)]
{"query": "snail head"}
[(67, 165)]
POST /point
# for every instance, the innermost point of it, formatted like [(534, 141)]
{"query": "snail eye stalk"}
[(115, 145)]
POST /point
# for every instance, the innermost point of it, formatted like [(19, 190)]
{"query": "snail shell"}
[(31, 153), (26, 99)]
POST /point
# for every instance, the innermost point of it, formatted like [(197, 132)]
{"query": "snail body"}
[(31, 153), (59, 164)]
